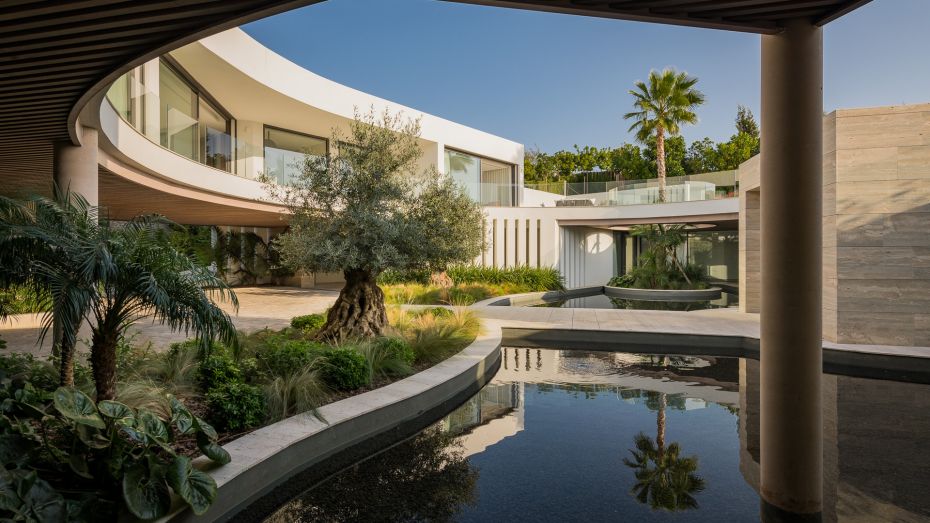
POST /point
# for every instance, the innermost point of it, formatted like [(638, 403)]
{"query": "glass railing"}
[(696, 187)]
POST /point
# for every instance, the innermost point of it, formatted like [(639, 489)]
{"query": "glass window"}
[(216, 139), (488, 182), (465, 170), (285, 152), (178, 114)]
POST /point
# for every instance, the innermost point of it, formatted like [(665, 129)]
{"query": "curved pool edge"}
[(270, 456), (859, 362), (626, 293)]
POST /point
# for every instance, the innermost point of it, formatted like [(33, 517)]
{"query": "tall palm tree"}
[(664, 478), (662, 105)]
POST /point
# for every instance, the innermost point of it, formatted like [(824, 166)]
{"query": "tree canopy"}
[(633, 162), (368, 207)]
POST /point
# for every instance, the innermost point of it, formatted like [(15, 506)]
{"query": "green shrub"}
[(309, 322), (218, 369), (531, 278), (345, 369), (398, 348), (42, 374), (282, 356), (439, 312), (236, 406)]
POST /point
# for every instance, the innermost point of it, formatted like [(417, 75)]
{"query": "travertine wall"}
[(877, 225), (750, 256)]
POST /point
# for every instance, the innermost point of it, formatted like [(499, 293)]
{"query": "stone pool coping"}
[(537, 298), (270, 456)]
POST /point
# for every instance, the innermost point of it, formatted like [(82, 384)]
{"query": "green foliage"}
[(41, 374), (309, 322), (282, 356), (236, 406), (435, 338), (659, 266), (92, 448), (300, 390), (217, 370), (532, 278), (345, 369), (23, 299), (398, 348), (369, 208)]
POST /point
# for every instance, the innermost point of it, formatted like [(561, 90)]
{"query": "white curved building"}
[(189, 134)]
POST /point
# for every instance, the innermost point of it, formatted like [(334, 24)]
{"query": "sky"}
[(550, 81)]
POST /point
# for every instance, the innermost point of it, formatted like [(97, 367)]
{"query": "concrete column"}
[(76, 166), (791, 201)]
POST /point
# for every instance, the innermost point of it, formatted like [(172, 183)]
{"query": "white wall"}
[(588, 256)]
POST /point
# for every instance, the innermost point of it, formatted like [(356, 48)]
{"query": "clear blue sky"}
[(552, 80)]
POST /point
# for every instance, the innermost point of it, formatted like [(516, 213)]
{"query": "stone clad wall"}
[(877, 225), (750, 256)]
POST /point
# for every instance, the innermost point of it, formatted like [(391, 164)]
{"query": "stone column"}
[(791, 202), (76, 166)]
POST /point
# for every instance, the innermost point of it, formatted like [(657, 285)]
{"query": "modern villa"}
[(819, 243)]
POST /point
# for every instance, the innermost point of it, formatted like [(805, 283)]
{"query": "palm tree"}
[(107, 275), (36, 236), (137, 273), (664, 479), (662, 105)]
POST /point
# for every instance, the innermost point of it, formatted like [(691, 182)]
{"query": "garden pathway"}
[(259, 307), (273, 307)]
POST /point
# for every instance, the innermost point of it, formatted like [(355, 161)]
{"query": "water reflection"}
[(597, 436), (425, 478), (664, 478)]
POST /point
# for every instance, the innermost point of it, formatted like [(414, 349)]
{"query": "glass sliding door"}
[(285, 152)]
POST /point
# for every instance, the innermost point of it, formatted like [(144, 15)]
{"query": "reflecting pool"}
[(601, 301), (601, 436)]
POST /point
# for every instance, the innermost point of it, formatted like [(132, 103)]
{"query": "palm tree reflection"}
[(664, 478)]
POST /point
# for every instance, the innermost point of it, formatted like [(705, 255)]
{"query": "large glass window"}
[(285, 152), (190, 125), (215, 137), (178, 108), (487, 181)]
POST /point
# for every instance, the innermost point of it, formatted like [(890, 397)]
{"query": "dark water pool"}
[(600, 301), (577, 436)]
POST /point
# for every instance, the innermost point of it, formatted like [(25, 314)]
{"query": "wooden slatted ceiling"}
[(754, 16), (55, 54)]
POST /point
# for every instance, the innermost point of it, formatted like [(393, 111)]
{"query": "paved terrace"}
[(273, 307)]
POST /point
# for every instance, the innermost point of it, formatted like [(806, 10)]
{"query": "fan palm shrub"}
[(108, 275)]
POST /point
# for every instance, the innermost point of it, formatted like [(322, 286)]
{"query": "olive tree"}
[(367, 207)]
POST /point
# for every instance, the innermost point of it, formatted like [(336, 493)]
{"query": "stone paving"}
[(273, 307), (259, 307)]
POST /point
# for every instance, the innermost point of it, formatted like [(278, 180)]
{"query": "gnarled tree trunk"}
[(359, 310)]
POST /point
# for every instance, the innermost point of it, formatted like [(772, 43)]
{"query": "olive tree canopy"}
[(369, 206)]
